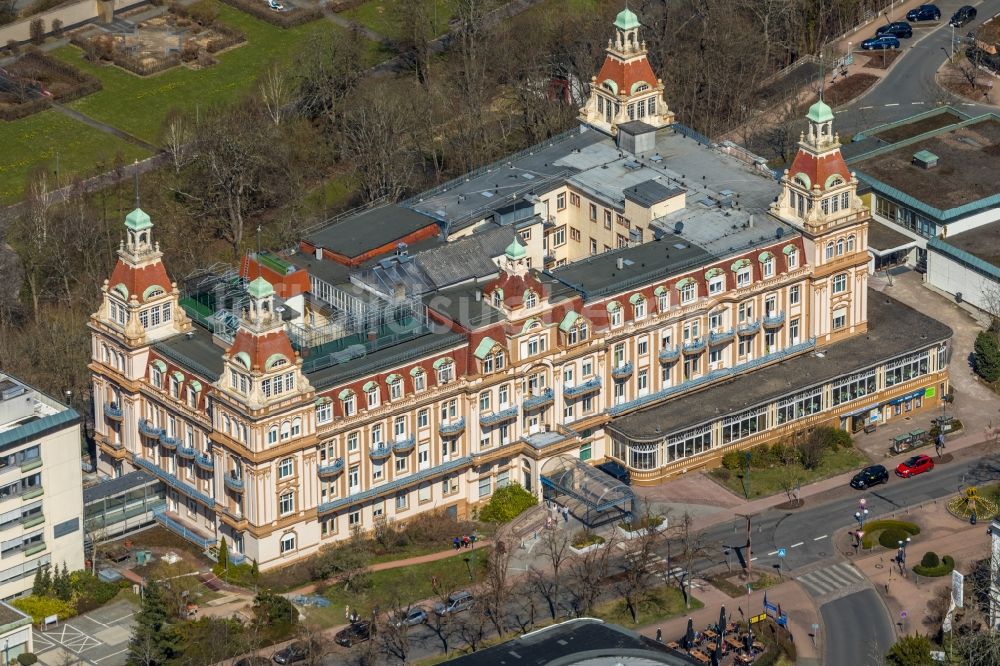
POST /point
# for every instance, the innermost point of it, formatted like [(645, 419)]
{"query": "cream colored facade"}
[(41, 486)]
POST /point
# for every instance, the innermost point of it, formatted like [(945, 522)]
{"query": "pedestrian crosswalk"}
[(830, 579)]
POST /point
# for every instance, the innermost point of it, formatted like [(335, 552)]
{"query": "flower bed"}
[(584, 542), (637, 529)]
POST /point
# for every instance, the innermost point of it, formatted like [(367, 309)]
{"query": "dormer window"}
[(767, 267), (578, 333), (792, 259), (743, 277), (372, 394), (688, 289), (530, 300), (395, 387), (348, 402), (639, 307), (419, 379), (445, 368), (615, 314)]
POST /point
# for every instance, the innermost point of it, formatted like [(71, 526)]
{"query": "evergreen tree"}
[(912, 650), (986, 359), (254, 570), (38, 586), (47, 579), (62, 586), (223, 554), (153, 640)]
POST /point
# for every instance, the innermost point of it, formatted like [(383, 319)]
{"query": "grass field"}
[(378, 15), (660, 603), (138, 105), (34, 141), (772, 480), (399, 587)]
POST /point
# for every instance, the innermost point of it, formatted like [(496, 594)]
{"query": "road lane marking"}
[(916, 103), (753, 559), (796, 545), (819, 537), (893, 104), (773, 552), (867, 107)]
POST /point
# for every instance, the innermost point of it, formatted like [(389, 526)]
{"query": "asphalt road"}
[(909, 87), (806, 533), (857, 629)]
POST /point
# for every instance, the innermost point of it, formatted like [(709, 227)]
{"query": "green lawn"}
[(139, 104), (772, 480), (659, 604), (381, 16), (34, 141), (400, 587)]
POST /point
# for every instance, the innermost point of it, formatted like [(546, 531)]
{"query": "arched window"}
[(850, 243), (286, 468), (288, 540), (840, 246), (530, 300), (225, 423), (272, 435), (286, 430), (497, 298), (498, 360), (829, 250), (296, 427)]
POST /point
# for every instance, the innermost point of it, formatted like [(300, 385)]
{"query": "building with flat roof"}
[(928, 176), (42, 504), (621, 266)]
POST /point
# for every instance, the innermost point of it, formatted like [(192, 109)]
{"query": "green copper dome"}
[(626, 20), (515, 250), (138, 220), (260, 288), (820, 112)]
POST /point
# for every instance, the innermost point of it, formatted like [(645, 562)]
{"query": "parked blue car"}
[(924, 13), (879, 43)]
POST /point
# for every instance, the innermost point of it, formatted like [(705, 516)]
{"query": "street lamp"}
[(861, 513), (901, 554)]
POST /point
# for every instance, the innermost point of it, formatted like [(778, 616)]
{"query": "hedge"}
[(40, 608), (890, 538), (946, 567), (285, 19), (875, 526), (85, 84)]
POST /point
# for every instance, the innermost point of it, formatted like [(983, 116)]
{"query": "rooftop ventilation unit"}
[(657, 158), (925, 159), (678, 228), (632, 165)]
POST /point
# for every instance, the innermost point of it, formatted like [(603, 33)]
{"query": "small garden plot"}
[(34, 80), (188, 35)]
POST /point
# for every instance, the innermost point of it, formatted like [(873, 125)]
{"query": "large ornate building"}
[(626, 290)]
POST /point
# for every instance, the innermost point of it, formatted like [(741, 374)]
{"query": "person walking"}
[(456, 542)]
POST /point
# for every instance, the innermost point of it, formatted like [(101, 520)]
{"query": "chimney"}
[(750, 222), (620, 263), (319, 253)]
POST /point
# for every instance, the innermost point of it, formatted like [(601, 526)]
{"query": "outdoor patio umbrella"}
[(715, 658), (718, 646), (722, 620), (689, 636)]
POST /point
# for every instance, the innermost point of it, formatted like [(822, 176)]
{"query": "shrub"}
[(40, 608), (910, 651), (872, 528), (202, 12), (732, 460), (891, 537), (944, 567), (722, 473), (57, 27), (760, 456), (27, 659), (507, 503), (585, 538), (986, 357), (930, 560)]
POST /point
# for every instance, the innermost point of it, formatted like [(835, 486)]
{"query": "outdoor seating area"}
[(722, 644)]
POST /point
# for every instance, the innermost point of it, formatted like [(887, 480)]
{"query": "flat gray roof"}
[(117, 486), (195, 352), (982, 242), (599, 275), (882, 237), (893, 329), (651, 192), (357, 234), (461, 305)]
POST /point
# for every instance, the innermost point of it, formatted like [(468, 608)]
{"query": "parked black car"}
[(292, 654), (617, 471), (870, 476), (898, 29), (356, 632), (964, 15), (924, 13)]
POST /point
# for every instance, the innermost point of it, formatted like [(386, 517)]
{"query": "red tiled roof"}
[(819, 169), (625, 74), (514, 287), (262, 347), (137, 280)]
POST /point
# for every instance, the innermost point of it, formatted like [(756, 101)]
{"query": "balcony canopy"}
[(599, 497)]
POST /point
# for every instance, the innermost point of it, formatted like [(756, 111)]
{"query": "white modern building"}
[(41, 486)]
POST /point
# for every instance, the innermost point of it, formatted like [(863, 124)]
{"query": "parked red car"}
[(915, 465)]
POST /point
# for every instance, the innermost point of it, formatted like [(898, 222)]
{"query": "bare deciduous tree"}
[(554, 548), (275, 92)]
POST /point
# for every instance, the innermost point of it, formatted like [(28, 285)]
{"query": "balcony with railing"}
[(379, 451), (586, 387), (499, 416), (695, 346), (539, 400), (669, 354), (452, 428), (774, 320), (748, 328), (147, 429), (169, 442), (622, 371), (233, 482), (113, 412), (721, 337), (331, 470), (405, 445), (186, 452), (205, 462)]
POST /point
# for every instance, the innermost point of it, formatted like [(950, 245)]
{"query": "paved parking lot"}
[(99, 637)]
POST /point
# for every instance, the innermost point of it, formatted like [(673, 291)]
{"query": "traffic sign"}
[(902, 614), (782, 552), (758, 618)]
